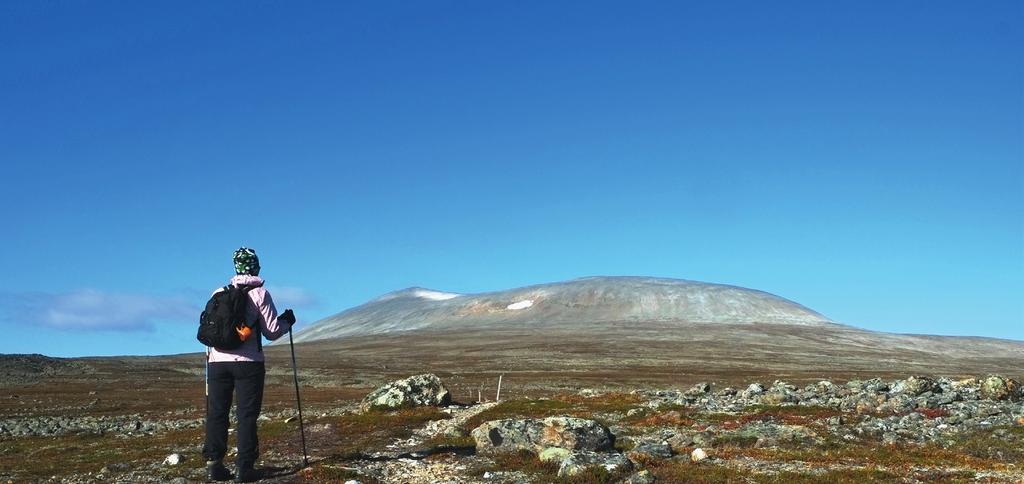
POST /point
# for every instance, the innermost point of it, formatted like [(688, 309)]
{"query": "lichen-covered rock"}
[(415, 391), (537, 434), (752, 390), (996, 387), (898, 403), (874, 385), (680, 439), (650, 450), (702, 388), (915, 385), (770, 434), (776, 397), (553, 454), (579, 461)]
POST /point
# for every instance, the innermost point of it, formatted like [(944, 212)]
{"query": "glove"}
[(288, 316)]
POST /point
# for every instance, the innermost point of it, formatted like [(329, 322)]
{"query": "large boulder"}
[(996, 387), (915, 385), (415, 391), (535, 435)]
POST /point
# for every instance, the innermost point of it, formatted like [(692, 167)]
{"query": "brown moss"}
[(904, 456), (615, 402), (334, 473), (664, 416), (1008, 448)]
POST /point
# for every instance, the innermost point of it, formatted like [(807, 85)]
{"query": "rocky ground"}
[(915, 429)]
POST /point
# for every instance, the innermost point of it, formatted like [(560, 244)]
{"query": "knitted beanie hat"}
[(246, 261)]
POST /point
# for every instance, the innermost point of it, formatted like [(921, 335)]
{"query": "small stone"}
[(352, 481), (698, 455), (291, 419), (172, 460)]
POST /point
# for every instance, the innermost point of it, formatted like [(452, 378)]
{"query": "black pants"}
[(225, 378)]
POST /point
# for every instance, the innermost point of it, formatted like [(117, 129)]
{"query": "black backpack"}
[(225, 312)]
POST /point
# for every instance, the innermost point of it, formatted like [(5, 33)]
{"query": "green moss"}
[(624, 445), (734, 440), (444, 444), (522, 461), (31, 458)]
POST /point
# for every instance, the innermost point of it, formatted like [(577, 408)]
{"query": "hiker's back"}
[(256, 296), (261, 314)]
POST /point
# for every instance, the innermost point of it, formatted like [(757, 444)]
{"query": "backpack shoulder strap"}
[(259, 334)]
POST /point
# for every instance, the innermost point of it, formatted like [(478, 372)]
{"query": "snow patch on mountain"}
[(520, 305), (434, 295)]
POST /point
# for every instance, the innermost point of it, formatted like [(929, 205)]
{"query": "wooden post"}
[(497, 398)]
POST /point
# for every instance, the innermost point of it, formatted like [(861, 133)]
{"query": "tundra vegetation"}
[(912, 429)]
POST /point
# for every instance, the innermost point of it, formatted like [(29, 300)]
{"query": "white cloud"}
[(91, 309)]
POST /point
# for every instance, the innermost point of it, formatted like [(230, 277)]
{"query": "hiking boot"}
[(216, 471), (247, 474)]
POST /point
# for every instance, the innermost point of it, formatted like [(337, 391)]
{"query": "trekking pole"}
[(206, 381), (298, 400)]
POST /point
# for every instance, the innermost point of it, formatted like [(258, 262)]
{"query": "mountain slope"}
[(577, 303)]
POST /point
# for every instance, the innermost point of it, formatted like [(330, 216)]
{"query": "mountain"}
[(577, 303)]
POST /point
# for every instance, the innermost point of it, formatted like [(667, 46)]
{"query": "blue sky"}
[(865, 159)]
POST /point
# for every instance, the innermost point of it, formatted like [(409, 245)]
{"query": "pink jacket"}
[(261, 310)]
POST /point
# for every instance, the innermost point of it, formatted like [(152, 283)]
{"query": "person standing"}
[(241, 372)]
